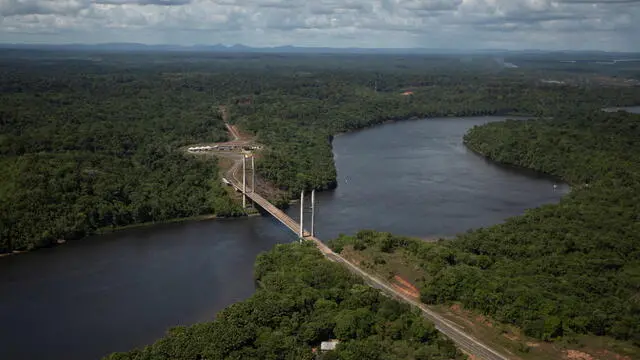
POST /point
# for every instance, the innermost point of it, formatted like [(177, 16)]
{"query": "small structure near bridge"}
[(329, 345), (228, 146), (202, 148)]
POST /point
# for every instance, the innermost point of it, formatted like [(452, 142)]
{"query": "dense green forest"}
[(559, 270), (303, 300), (91, 140), (82, 151)]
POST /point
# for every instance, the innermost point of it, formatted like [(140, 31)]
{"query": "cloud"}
[(144, 2), (27, 7), (340, 6), (276, 4), (375, 23), (430, 5), (602, 2)]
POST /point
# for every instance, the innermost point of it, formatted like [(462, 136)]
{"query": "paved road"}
[(464, 341)]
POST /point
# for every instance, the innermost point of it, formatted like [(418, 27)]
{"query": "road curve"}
[(464, 341)]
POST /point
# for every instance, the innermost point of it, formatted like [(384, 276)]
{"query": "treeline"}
[(559, 270), (303, 300)]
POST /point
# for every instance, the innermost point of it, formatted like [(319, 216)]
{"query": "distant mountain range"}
[(238, 48)]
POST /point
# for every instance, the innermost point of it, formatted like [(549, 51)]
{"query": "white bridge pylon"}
[(313, 210), (302, 233), (244, 177)]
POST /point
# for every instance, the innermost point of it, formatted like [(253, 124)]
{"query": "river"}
[(631, 109), (114, 292)]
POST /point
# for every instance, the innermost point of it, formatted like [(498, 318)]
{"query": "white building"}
[(329, 345)]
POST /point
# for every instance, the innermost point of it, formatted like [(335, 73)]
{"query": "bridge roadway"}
[(464, 341)]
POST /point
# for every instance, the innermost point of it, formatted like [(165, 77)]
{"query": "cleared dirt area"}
[(405, 287), (230, 161)]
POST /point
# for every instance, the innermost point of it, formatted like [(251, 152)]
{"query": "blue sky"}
[(461, 24)]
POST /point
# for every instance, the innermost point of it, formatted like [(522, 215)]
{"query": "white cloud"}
[(144, 2), (609, 25), (30, 7)]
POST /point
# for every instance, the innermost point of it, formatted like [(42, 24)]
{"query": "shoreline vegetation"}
[(104, 231), (519, 168)]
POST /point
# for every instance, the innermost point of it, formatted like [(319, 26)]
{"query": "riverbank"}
[(110, 230), (437, 116), (527, 171)]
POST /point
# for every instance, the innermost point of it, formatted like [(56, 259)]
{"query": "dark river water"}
[(111, 293), (631, 109)]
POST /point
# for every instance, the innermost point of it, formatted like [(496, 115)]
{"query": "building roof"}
[(329, 345)]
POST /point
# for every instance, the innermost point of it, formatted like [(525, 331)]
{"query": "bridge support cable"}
[(244, 182), (301, 215), (313, 211), (244, 178), (253, 175)]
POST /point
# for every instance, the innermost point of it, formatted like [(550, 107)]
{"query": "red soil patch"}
[(405, 291), (405, 283), (405, 287), (577, 355)]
